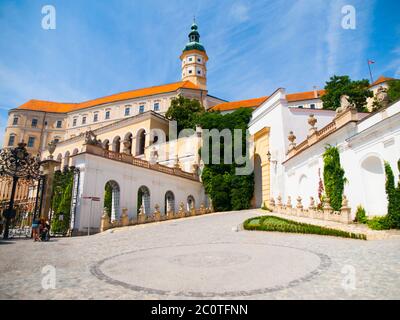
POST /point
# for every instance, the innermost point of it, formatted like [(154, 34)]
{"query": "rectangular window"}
[(107, 114), (95, 117), (127, 111), (312, 106), (31, 142), (11, 140), (84, 120), (34, 123), (141, 109), (59, 124), (156, 106), (301, 107), (74, 122), (190, 59), (15, 121)]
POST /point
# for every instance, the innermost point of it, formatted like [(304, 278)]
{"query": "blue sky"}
[(100, 47)]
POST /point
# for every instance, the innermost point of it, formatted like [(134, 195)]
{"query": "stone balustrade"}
[(156, 216), (326, 213)]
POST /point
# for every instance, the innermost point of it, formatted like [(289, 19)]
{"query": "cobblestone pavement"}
[(202, 257)]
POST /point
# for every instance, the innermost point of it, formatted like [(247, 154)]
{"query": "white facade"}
[(363, 146), (275, 114), (96, 171)]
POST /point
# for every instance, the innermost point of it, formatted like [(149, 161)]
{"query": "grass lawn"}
[(272, 223)]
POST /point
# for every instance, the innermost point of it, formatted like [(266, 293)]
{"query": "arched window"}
[(116, 144), (144, 199), (111, 199), (190, 203), (169, 202)]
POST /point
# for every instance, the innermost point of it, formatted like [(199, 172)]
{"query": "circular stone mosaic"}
[(212, 269)]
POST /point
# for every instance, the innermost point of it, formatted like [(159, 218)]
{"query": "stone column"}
[(157, 213), (105, 222), (327, 209), (124, 217), (345, 211), (48, 166)]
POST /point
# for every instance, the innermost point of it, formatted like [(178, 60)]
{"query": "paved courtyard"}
[(201, 257)]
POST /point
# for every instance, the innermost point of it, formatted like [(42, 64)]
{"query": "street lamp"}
[(17, 163)]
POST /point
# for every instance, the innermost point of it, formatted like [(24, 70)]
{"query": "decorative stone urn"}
[(312, 121), (202, 209), (105, 221)]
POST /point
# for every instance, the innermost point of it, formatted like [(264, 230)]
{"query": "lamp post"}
[(17, 163)]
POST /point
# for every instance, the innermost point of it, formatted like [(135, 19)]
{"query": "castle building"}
[(123, 140)]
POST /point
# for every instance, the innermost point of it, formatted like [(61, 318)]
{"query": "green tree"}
[(334, 179), (357, 91), (393, 215), (108, 198), (185, 112), (394, 90), (227, 190)]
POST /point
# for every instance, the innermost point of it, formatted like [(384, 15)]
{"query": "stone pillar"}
[(289, 205), (311, 208), (48, 166), (202, 209), (157, 213), (105, 222), (124, 217), (299, 206), (327, 209), (279, 204), (181, 212), (141, 215), (345, 211)]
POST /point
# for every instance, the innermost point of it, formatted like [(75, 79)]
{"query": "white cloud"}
[(240, 12)]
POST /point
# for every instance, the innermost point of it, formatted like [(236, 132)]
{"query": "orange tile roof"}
[(250, 103), (254, 103), (380, 80), (59, 107)]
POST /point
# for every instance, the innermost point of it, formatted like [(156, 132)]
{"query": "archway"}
[(257, 181), (128, 143), (144, 198), (111, 199), (116, 144), (140, 142), (106, 144), (169, 202), (190, 203), (373, 183)]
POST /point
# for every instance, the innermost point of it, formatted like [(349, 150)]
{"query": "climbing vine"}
[(334, 178), (61, 201)]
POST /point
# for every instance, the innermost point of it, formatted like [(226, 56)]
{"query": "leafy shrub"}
[(334, 179), (361, 216), (379, 223), (272, 223)]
